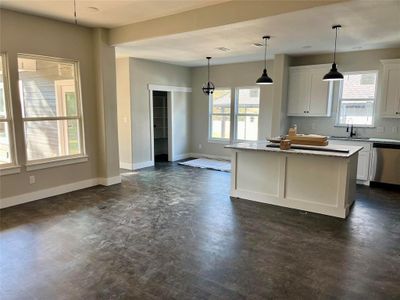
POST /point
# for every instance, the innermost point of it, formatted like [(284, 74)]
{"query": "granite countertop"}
[(313, 150), (365, 139)]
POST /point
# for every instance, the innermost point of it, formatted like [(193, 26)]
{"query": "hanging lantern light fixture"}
[(209, 87), (265, 79), (334, 74)]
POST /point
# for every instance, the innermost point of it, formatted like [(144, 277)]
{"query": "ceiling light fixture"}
[(334, 74), (209, 87), (223, 49), (265, 79), (93, 9)]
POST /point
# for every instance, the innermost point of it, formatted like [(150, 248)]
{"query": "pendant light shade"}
[(209, 87), (265, 79), (334, 74)]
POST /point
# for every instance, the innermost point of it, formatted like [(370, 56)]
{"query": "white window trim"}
[(210, 114), (12, 167), (375, 100), (38, 164), (56, 162), (236, 112), (10, 170)]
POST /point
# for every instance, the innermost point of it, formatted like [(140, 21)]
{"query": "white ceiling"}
[(111, 13), (366, 25)]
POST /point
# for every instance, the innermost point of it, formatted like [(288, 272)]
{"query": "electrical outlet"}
[(200, 146), (394, 129), (32, 179)]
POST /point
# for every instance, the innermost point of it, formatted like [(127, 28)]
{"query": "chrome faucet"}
[(350, 129)]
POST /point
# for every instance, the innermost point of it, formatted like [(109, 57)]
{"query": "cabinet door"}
[(299, 92), (363, 165), (391, 92), (320, 94)]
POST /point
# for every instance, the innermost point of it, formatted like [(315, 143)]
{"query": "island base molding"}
[(319, 184)]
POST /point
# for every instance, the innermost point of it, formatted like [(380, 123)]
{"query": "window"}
[(51, 108), (357, 99), (220, 115), (7, 145), (247, 108)]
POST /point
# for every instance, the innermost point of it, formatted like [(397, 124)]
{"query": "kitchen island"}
[(315, 179)]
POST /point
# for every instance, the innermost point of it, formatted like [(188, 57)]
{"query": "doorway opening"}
[(160, 126)]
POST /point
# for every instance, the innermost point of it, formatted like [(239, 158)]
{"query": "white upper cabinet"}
[(308, 95), (390, 97), (298, 79)]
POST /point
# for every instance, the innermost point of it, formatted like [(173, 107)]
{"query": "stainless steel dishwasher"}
[(386, 163)]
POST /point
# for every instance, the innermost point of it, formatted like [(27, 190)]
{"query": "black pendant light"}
[(334, 74), (265, 79), (209, 87)]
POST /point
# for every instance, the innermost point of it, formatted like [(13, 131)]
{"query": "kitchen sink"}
[(349, 138)]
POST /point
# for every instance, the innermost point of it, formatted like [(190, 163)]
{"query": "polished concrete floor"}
[(172, 232)]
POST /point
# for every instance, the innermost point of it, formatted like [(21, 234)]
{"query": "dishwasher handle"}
[(386, 145)]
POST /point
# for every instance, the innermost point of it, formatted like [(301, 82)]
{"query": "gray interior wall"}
[(106, 100), (123, 111), (279, 119), (227, 76), (181, 123), (349, 62), (20, 33), (145, 72)]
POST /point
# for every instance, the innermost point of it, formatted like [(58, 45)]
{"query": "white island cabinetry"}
[(364, 158), (315, 181)]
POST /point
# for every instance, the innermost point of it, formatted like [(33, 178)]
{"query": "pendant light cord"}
[(208, 68), (334, 53), (76, 21), (265, 52)]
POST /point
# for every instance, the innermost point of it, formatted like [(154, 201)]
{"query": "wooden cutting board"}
[(308, 137), (305, 139), (309, 142)]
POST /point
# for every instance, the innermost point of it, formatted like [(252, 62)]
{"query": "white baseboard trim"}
[(110, 180), (182, 156), (219, 157), (53, 191), (363, 182), (125, 165), (142, 165), (57, 190)]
